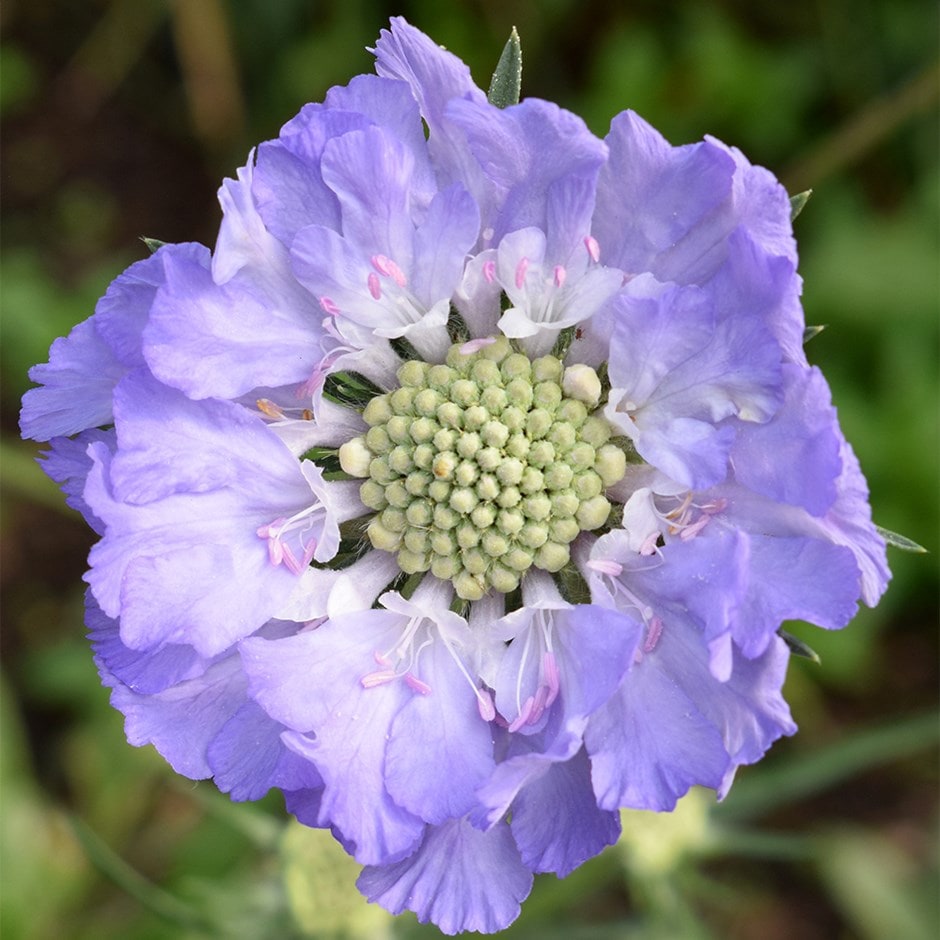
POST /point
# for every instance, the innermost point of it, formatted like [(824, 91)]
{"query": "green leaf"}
[(798, 647), (797, 202), (153, 244), (506, 84), (900, 541), (811, 332)]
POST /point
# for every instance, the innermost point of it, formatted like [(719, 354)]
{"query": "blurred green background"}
[(120, 119)]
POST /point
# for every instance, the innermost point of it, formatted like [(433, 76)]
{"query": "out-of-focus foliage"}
[(120, 119)]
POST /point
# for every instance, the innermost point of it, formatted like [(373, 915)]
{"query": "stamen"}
[(593, 248), (607, 566), (388, 268), (560, 275), (329, 306), (521, 269), (375, 289), (475, 345), (269, 409), (489, 271)]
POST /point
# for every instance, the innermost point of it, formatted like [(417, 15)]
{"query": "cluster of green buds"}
[(485, 465)]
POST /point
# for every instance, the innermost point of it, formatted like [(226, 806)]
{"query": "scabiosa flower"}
[(461, 492)]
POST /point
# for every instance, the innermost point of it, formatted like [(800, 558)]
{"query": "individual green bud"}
[(475, 561), (440, 377), (423, 430), (516, 366), (513, 418), (519, 394), (381, 538), (467, 473), (445, 517), (564, 530), (538, 423), (485, 372), (468, 586), (541, 453), (494, 434), (487, 487), (510, 471), (377, 411), (518, 558), (464, 392), (565, 503), (611, 464), (450, 415), (581, 456), (399, 428), (463, 500), (475, 417), (413, 373), (424, 455), (546, 395), (593, 513), (468, 535), (508, 497), (444, 465), (417, 541), (489, 458), (596, 431), (417, 482), (533, 481), (427, 401), (439, 491), (580, 382), (518, 445), (510, 521), (397, 495), (443, 543), (355, 457), (534, 534), (372, 495), (380, 471), (558, 476), (394, 519), (571, 412), (562, 436), (493, 399), (402, 400), (494, 543), (413, 562), (378, 441), (587, 485), (498, 351), (420, 512), (445, 567), (401, 459), (552, 556), (445, 439), (537, 507), (468, 444), (502, 578), (546, 369), (483, 516)]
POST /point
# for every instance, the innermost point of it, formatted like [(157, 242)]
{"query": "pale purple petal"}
[(459, 879)]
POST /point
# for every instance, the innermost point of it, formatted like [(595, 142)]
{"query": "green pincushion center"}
[(481, 467)]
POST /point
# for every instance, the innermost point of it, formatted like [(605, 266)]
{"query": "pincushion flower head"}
[(461, 491)]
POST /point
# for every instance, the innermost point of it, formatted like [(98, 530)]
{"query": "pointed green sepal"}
[(798, 647), (506, 85), (797, 202), (153, 244), (811, 332), (900, 541)]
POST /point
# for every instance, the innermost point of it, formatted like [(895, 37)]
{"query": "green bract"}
[(485, 465)]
